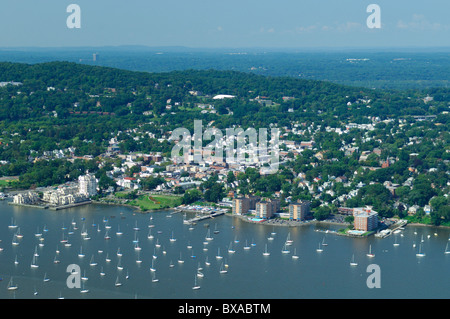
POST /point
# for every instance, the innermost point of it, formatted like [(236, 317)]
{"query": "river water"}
[(249, 274)]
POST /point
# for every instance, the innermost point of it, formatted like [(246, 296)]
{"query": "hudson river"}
[(155, 255)]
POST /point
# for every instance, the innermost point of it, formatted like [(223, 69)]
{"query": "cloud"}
[(419, 22)]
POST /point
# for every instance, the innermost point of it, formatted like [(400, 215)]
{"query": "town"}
[(354, 168)]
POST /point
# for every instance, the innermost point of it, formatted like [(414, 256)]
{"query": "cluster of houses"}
[(66, 194)]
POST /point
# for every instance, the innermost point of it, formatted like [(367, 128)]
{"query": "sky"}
[(226, 23)]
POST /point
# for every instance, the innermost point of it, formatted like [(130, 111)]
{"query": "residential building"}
[(242, 205), (365, 218), (87, 185), (299, 210), (267, 208)]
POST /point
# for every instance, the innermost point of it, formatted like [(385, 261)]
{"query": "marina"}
[(124, 254)]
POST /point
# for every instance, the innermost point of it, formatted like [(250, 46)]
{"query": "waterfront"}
[(249, 275)]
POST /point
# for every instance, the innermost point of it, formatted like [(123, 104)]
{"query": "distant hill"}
[(386, 69)]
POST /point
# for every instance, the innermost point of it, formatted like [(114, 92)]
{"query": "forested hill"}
[(63, 89)]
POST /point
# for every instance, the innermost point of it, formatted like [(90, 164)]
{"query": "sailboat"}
[(207, 263), (323, 242), (216, 231), (370, 254), (196, 286), (83, 289), (136, 228), (34, 262), (295, 256), (16, 262), (92, 263), (118, 252), (118, 232), (447, 251), (152, 268), (117, 283), (46, 279), (180, 261), (13, 224), (266, 253), (208, 235), (19, 234), (150, 236), (420, 253), (352, 262), (138, 260), (218, 256), (154, 279), (230, 248), (81, 255), (289, 241), (222, 269), (172, 239), (285, 250), (246, 247), (320, 248), (395, 242), (107, 259), (11, 285), (102, 273)]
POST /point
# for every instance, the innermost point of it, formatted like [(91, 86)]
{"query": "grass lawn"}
[(150, 202)]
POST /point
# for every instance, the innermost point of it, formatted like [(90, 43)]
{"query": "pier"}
[(199, 218), (387, 232)]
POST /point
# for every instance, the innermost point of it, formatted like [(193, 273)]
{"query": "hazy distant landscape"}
[(381, 69)]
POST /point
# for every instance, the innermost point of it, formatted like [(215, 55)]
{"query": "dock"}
[(387, 232), (199, 218)]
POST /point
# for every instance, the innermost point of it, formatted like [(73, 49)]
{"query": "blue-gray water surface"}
[(249, 274)]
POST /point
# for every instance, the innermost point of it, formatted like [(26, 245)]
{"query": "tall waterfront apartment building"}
[(365, 219), (87, 185), (299, 210), (266, 209), (242, 205)]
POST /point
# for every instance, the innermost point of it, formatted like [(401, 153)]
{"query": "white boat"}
[(218, 256), (13, 224), (150, 236), (246, 247), (266, 252), (118, 232), (323, 242), (320, 248), (222, 269), (107, 259), (172, 239), (230, 249), (84, 278), (216, 231), (180, 261), (92, 263), (447, 251), (154, 279), (34, 262), (395, 242), (138, 260), (136, 228), (118, 252), (295, 256), (353, 262), (152, 268), (207, 263), (117, 283), (119, 265), (83, 289), (46, 279), (196, 286), (420, 253), (11, 285), (370, 254), (102, 273), (19, 234), (289, 241), (208, 235), (285, 250), (16, 262), (81, 255)]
